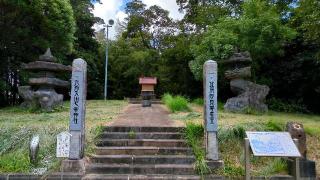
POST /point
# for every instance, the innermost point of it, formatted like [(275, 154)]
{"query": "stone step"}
[(177, 169), (143, 159), (143, 142), (140, 150), (139, 177), (142, 135), (142, 129)]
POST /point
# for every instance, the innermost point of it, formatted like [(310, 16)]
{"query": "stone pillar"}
[(78, 109), (210, 71)]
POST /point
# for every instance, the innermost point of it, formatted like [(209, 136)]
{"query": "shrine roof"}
[(148, 80)]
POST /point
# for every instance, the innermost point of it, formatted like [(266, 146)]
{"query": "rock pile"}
[(249, 94)]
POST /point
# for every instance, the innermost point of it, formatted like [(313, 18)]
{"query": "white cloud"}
[(110, 9)]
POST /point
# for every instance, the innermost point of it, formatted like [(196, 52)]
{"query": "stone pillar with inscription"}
[(76, 163), (210, 73), (78, 109)]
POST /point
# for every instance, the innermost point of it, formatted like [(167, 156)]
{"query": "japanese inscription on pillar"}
[(78, 97), (211, 96)]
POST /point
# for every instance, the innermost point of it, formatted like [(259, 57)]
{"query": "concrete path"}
[(134, 115)]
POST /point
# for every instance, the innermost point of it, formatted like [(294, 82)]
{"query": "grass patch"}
[(16, 161), (312, 131), (276, 166), (194, 134), (231, 131), (19, 125), (175, 103)]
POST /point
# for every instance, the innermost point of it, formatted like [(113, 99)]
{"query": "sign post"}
[(210, 109), (270, 144), (78, 109)]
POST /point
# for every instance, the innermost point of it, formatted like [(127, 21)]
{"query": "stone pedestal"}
[(146, 98), (307, 168), (75, 166)]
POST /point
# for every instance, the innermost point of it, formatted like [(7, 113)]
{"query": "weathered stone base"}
[(27, 94), (215, 164), (75, 166), (45, 98), (146, 103), (307, 168), (250, 96)]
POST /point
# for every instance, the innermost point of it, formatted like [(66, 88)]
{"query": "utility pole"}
[(110, 23)]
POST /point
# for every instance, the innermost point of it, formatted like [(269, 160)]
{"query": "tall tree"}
[(87, 47), (27, 28), (258, 27)]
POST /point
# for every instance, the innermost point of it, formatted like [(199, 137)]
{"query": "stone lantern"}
[(41, 90), (249, 95)]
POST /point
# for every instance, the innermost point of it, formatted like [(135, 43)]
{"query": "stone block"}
[(307, 168), (48, 98), (250, 95), (75, 166)]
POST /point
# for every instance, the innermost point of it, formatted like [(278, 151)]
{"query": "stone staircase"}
[(142, 153)]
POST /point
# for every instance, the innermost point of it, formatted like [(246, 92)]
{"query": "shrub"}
[(15, 162), (176, 103), (194, 134), (198, 101), (166, 98), (290, 107), (273, 125)]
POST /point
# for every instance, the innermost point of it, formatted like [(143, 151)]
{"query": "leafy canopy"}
[(258, 30)]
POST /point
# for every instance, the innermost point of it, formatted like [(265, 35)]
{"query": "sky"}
[(114, 9)]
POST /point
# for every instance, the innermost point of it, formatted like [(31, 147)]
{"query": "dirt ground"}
[(135, 115)]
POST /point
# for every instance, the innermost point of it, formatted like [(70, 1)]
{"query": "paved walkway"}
[(155, 116)]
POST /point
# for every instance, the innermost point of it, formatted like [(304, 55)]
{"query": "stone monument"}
[(76, 162), (249, 94), (210, 94), (41, 92)]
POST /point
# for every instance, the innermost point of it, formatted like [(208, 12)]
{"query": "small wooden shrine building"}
[(147, 89)]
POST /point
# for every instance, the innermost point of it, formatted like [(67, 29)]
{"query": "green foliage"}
[(312, 131), (18, 127), (132, 134), (273, 125), (15, 162), (53, 23), (194, 134), (201, 13), (28, 28), (230, 170), (237, 132), (258, 27), (176, 103), (198, 101), (275, 166), (307, 17), (281, 106), (97, 132)]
